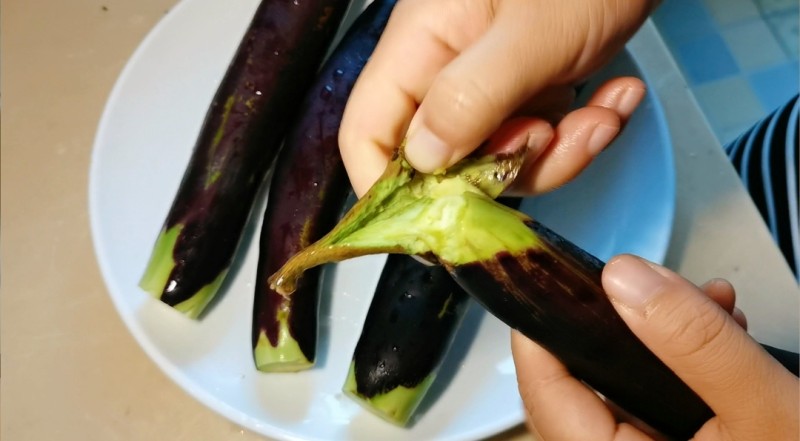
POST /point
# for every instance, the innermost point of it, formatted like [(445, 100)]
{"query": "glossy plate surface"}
[(623, 203)]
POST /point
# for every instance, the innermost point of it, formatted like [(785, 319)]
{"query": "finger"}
[(552, 104), (622, 94), (578, 138), (739, 317), (390, 86), (582, 135), (559, 406), (700, 342), (623, 417), (525, 50), (532, 134), (473, 94), (722, 292)]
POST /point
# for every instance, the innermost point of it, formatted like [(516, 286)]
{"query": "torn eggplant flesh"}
[(523, 273), (252, 108), (308, 192), (436, 216)]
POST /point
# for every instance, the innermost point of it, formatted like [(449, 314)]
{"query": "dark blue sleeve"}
[(766, 158)]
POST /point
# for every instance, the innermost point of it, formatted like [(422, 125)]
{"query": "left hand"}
[(449, 74)]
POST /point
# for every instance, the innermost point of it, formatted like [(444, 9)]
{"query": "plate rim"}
[(191, 387)]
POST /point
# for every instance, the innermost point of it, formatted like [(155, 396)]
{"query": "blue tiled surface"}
[(773, 85), (706, 58), (739, 57), (683, 21)]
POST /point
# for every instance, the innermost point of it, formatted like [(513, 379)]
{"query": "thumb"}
[(480, 88), (700, 342), (528, 48)]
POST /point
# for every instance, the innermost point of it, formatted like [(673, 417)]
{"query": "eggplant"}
[(411, 324), (308, 191), (412, 321), (254, 105), (520, 271)]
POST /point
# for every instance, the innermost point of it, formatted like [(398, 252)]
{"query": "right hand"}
[(695, 331)]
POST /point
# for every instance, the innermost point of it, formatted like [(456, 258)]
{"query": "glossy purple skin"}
[(554, 296), (262, 88), (309, 187), (411, 322)]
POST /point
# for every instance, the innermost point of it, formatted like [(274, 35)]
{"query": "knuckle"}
[(462, 102), (695, 330)]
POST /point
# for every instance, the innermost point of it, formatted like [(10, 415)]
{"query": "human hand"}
[(449, 73), (698, 333)]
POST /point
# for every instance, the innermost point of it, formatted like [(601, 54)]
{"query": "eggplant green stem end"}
[(442, 214)]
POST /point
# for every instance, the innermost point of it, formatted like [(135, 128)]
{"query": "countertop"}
[(72, 371)]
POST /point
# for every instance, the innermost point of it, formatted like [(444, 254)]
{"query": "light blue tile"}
[(730, 106), (706, 59), (784, 26), (768, 6), (731, 11), (775, 85), (753, 45), (682, 20)]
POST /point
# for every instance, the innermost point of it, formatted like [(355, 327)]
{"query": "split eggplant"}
[(254, 105), (308, 191), (522, 272)]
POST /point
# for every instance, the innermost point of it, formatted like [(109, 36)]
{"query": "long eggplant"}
[(254, 104), (410, 325), (525, 274), (308, 192), (412, 321)]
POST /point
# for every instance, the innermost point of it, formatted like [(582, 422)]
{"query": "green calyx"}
[(451, 215), (161, 262), (286, 356), (396, 405), (160, 266), (194, 306)]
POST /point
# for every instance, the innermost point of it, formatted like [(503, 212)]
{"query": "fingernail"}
[(538, 140), (632, 282), (426, 152), (601, 136), (629, 100)]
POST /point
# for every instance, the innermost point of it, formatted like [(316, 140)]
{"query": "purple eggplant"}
[(411, 323), (523, 273), (251, 111), (307, 194), (413, 319)]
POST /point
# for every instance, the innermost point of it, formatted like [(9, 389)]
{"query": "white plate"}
[(624, 203)]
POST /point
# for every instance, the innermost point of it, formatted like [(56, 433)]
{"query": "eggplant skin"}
[(410, 325), (553, 295), (309, 187), (240, 136)]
